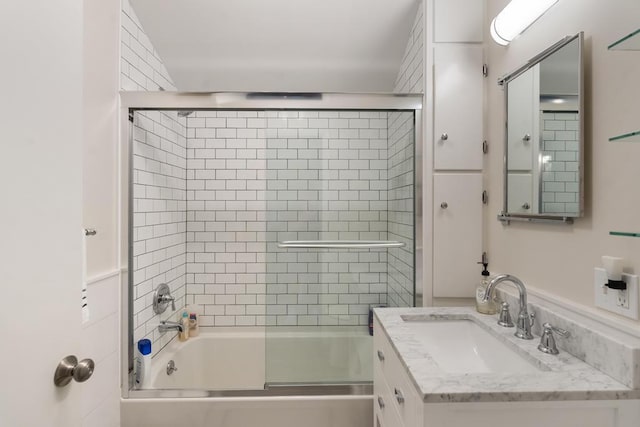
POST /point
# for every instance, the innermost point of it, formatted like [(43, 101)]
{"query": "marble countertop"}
[(561, 377)]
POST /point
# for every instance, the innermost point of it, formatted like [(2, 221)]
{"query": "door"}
[(40, 215)]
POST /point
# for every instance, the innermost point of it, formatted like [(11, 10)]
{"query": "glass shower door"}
[(340, 239)]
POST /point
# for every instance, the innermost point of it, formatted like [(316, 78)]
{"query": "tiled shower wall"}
[(159, 185), (401, 261), (159, 209), (560, 177), (257, 178)]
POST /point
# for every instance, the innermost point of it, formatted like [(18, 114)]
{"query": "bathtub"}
[(236, 377)]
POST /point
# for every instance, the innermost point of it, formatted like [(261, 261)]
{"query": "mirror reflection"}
[(544, 137)]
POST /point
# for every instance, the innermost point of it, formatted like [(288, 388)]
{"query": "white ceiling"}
[(280, 45)]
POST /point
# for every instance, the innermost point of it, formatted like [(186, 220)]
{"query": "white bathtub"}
[(247, 358)]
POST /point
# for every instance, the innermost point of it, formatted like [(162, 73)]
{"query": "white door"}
[(40, 210)]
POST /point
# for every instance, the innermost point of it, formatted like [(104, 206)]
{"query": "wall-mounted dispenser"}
[(615, 290)]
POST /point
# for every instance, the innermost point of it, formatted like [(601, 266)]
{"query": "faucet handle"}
[(547, 340), (562, 332), (505, 316)]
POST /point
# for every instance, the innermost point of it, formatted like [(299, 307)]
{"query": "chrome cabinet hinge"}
[(485, 70), (485, 197), (485, 146)]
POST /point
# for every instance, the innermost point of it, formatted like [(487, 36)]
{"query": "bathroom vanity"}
[(438, 367)]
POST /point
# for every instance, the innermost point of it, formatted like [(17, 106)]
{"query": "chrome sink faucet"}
[(525, 320), (166, 325)]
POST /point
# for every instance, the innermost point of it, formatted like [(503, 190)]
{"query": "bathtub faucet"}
[(166, 325)]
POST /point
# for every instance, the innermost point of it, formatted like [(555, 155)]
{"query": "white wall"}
[(612, 172)]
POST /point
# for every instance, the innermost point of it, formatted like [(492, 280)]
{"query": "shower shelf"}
[(341, 244)]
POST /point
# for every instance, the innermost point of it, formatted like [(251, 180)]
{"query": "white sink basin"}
[(463, 347)]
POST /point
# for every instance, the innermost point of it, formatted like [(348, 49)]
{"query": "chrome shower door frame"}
[(176, 101)]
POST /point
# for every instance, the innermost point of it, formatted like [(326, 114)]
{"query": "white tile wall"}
[(560, 175), (159, 185), (312, 175), (401, 261), (141, 68), (409, 79), (159, 209)]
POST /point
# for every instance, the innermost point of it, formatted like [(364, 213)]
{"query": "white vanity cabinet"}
[(398, 403), (396, 400)]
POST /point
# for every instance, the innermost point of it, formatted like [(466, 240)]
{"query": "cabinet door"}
[(520, 199), (458, 93), (457, 234), (522, 111), (458, 20)]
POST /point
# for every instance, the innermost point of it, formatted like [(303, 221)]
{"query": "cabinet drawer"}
[(385, 412), (401, 390)]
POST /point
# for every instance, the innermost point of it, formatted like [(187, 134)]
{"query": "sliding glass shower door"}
[(340, 238)]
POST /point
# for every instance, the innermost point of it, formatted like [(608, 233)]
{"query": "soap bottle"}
[(143, 364), (194, 319), (194, 328), (184, 321), (484, 307)]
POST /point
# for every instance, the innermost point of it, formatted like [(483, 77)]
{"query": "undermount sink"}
[(463, 347)]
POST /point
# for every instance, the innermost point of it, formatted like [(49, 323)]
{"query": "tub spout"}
[(166, 325)]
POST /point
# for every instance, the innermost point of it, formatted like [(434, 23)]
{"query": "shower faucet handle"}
[(161, 299)]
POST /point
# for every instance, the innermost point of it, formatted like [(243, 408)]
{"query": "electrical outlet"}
[(624, 302)]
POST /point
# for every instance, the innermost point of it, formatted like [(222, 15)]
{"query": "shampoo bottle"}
[(143, 364), (184, 321), (484, 307), (194, 319)]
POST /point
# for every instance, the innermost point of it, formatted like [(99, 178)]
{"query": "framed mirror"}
[(544, 138)]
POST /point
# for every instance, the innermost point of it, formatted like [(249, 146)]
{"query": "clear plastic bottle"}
[(184, 321), (484, 307)]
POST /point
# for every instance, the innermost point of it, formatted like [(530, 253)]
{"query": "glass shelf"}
[(628, 42), (627, 137), (624, 233)]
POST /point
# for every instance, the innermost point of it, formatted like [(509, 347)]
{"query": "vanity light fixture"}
[(516, 17), (613, 266)]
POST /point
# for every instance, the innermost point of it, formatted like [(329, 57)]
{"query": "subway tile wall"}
[(257, 178), (401, 261), (159, 185), (159, 218), (141, 68), (250, 179), (560, 175), (409, 79)]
